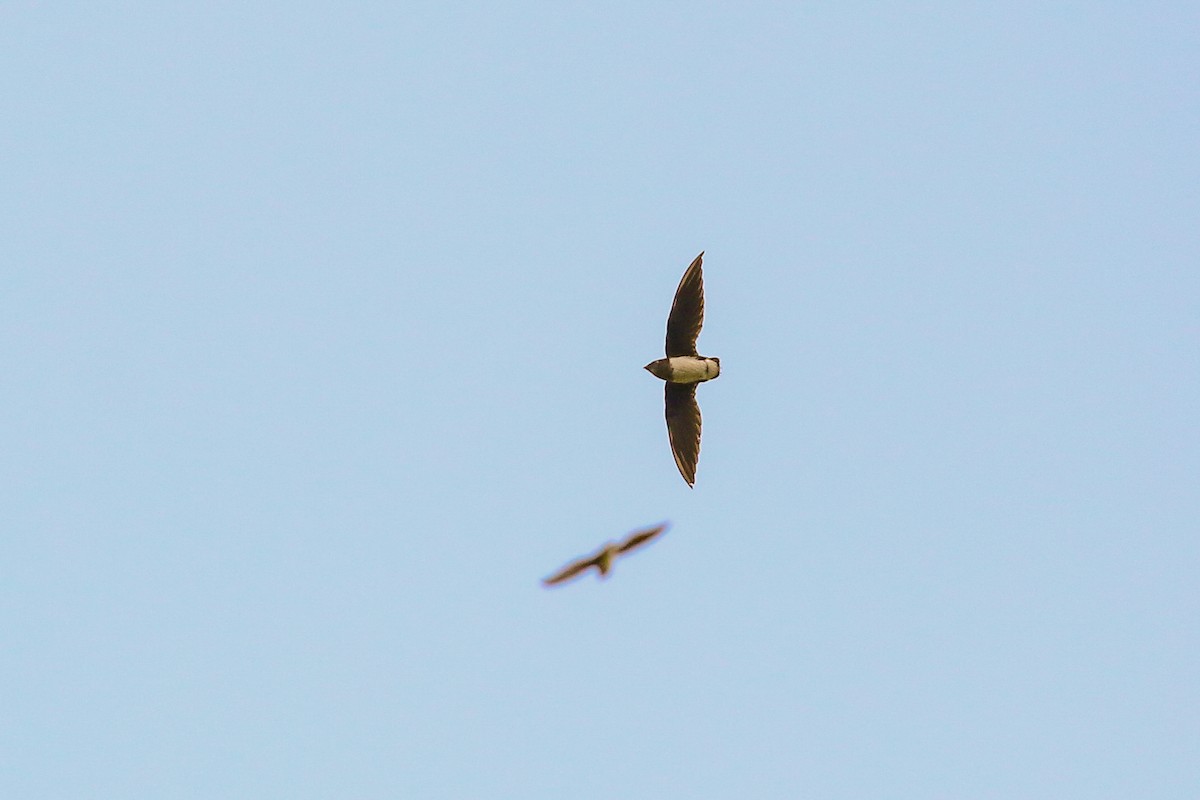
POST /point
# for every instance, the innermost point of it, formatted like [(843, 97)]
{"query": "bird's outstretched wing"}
[(639, 538), (687, 312), (683, 426), (570, 571)]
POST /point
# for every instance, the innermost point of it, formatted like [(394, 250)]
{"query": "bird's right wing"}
[(683, 426), (569, 571), (687, 312)]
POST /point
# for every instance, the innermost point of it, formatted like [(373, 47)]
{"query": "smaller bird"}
[(603, 558)]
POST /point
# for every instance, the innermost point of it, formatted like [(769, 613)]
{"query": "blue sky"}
[(322, 331)]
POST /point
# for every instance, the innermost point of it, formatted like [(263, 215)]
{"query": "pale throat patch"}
[(690, 369)]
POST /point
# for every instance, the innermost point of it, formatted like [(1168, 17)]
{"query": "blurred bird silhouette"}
[(603, 558)]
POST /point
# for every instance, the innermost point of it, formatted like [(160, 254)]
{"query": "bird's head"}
[(659, 369)]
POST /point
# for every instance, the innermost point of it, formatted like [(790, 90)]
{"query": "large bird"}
[(683, 369), (603, 558)]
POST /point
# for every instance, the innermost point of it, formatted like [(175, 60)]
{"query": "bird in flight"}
[(683, 369), (603, 558)]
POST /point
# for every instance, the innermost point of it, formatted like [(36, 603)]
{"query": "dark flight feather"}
[(571, 570), (683, 427), (687, 312), (640, 538)]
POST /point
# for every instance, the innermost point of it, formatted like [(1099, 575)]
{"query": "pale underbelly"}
[(690, 369)]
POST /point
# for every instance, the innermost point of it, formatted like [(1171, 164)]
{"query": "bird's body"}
[(683, 369), (603, 558)]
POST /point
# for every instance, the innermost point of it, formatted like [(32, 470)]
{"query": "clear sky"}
[(321, 341)]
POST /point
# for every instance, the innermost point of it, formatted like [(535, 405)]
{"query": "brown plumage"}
[(603, 558), (683, 428), (683, 368), (687, 311)]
